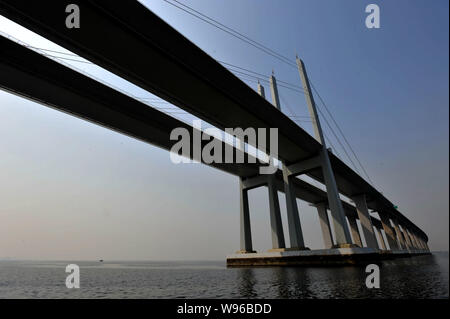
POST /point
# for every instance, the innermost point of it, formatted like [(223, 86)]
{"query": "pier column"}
[(366, 222), (275, 215), (324, 224), (245, 228), (294, 225), (416, 242), (354, 230), (380, 236), (413, 239), (293, 218), (390, 236), (407, 239), (424, 244), (401, 242), (419, 243), (343, 238)]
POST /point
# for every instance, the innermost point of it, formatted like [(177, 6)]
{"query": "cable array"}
[(278, 56)]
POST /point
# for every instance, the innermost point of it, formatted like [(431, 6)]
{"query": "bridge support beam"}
[(293, 218), (380, 236), (324, 224), (424, 244), (419, 244), (275, 215), (366, 222), (343, 238), (245, 228), (419, 241), (355, 232), (274, 206), (414, 239), (407, 239), (401, 242), (390, 235), (294, 225)]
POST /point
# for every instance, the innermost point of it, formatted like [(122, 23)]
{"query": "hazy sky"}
[(73, 190)]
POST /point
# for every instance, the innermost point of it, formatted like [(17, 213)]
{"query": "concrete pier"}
[(245, 229), (381, 239), (390, 235), (355, 232), (295, 228), (407, 239), (400, 240), (364, 218), (275, 215), (293, 219), (325, 224), (342, 233)]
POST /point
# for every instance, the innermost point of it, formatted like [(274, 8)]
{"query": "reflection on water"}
[(418, 277), (247, 281)]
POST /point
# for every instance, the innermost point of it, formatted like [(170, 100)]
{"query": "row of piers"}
[(383, 237)]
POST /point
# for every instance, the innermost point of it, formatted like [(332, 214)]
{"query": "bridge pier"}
[(407, 239), (419, 241), (342, 233), (366, 222), (355, 232), (274, 207), (275, 215), (390, 236), (324, 224), (293, 218), (424, 244), (295, 228), (413, 239), (380, 236), (401, 242), (245, 227)]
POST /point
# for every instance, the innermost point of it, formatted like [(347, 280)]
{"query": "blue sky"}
[(69, 181)]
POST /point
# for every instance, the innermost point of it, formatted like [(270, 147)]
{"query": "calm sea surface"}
[(418, 277)]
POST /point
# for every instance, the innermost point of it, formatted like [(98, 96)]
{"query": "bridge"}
[(160, 60)]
